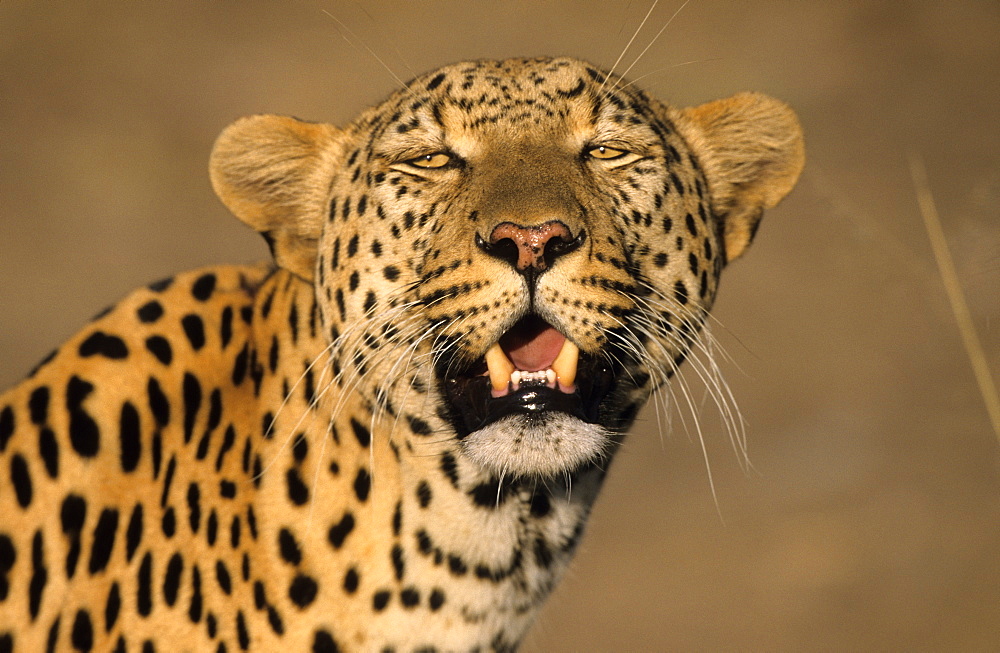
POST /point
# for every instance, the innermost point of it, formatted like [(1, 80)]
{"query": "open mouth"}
[(532, 370)]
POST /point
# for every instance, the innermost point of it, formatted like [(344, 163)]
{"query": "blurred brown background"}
[(871, 519)]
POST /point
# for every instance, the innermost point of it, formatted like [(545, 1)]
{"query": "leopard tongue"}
[(563, 366)]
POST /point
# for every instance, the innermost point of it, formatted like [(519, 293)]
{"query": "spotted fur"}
[(263, 458)]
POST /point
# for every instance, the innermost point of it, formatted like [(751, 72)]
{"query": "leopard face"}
[(517, 252)]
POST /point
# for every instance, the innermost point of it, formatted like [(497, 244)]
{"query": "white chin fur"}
[(520, 445)]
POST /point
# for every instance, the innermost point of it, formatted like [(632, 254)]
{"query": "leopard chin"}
[(539, 445)]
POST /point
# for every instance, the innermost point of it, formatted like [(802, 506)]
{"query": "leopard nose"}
[(530, 250)]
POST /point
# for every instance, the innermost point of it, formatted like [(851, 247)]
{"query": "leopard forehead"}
[(536, 100)]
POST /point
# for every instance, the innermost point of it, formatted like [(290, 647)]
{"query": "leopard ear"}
[(273, 172), (751, 149)]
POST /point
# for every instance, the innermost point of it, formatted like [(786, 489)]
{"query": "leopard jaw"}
[(504, 376), (546, 445)]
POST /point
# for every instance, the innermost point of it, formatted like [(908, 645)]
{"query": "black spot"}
[(456, 565), (7, 642), (380, 600), (168, 480), (398, 562), (390, 272), (133, 534), (363, 435), (212, 528), (203, 287), (228, 439), (192, 403), (410, 597), (223, 578), (660, 260), (449, 468), (8, 554), (323, 642), (227, 489), (362, 484), (252, 522), (158, 403), (424, 542), (50, 644), (72, 515), (540, 504), (39, 575), (489, 494), (289, 548), (83, 432), (298, 493), (681, 292), (234, 532), (150, 312), (111, 607), (194, 507), (436, 599), (6, 426), (351, 581), (159, 346), (240, 365), (543, 556), (83, 631), (689, 223), (194, 610), (341, 307), (102, 344), (419, 426), (303, 590), (339, 531), (144, 593), (169, 522), (370, 302), (129, 437), (435, 81), (48, 449), (172, 579), (226, 326), (397, 518), (352, 246), (103, 540), (274, 620), (273, 355), (21, 479), (38, 405), (423, 494), (241, 631), (194, 329), (161, 285), (693, 263)]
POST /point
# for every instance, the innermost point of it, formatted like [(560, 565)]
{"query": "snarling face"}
[(512, 255)]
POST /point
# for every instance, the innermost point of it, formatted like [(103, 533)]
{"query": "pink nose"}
[(531, 245)]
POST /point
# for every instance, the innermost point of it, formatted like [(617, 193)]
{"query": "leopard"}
[(389, 436)]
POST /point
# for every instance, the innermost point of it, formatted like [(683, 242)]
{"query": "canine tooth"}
[(565, 363), (499, 366)]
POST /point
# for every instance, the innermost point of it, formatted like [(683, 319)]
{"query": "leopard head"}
[(510, 256)]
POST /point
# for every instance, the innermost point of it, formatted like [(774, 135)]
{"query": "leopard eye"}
[(606, 153), (435, 160)]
